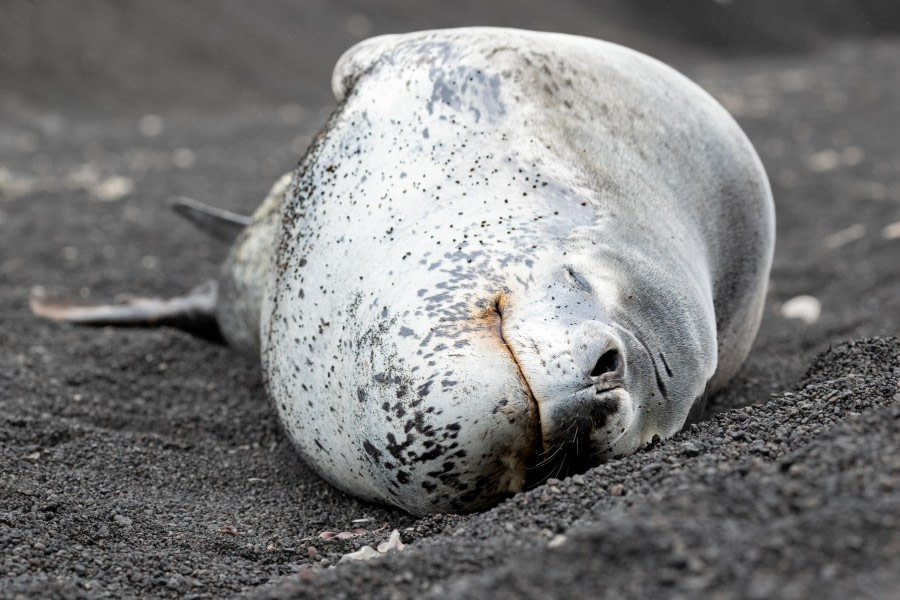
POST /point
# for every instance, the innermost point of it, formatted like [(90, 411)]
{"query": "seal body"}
[(509, 255)]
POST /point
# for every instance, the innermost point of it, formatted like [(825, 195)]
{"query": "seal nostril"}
[(607, 363)]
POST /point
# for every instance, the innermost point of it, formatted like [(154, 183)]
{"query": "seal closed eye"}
[(462, 162)]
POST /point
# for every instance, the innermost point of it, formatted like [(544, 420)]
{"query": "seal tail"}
[(194, 312), (220, 224)]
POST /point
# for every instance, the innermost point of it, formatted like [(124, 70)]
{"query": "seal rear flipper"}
[(194, 312), (221, 224)]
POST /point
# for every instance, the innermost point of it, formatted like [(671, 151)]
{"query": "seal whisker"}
[(549, 459), (575, 439), (562, 464)]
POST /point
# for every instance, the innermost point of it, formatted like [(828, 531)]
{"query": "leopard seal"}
[(509, 255)]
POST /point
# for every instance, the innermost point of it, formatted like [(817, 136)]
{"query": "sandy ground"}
[(148, 463)]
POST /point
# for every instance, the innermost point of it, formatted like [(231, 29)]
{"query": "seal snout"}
[(578, 380)]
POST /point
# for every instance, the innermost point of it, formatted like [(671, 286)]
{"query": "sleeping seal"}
[(508, 255)]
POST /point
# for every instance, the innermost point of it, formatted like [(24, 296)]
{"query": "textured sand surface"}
[(148, 463)]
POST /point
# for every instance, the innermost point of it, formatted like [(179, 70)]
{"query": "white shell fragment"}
[(806, 308), (892, 231), (845, 236), (557, 541), (364, 553), (393, 543)]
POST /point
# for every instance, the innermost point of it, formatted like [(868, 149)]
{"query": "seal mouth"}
[(497, 306), (567, 453)]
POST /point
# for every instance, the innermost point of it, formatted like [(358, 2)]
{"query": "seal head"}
[(509, 255)]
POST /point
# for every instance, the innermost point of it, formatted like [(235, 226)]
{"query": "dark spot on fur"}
[(372, 451)]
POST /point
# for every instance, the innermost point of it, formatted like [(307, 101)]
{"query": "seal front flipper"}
[(221, 224), (194, 312)]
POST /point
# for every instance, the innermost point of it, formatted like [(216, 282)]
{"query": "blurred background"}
[(131, 53)]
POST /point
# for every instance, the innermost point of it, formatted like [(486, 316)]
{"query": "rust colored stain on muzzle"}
[(490, 316)]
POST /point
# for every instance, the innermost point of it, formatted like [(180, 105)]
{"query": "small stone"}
[(845, 236), (891, 232), (312, 551), (558, 540), (738, 435), (578, 480), (690, 449), (617, 490), (184, 158), (364, 553), (122, 520), (112, 188), (150, 125), (829, 571), (805, 308), (392, 544), (175, 583), (695, 565)]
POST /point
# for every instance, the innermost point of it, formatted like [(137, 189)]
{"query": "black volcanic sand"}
[(148, 463)]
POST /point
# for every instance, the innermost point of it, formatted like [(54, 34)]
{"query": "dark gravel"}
[(147, 463)]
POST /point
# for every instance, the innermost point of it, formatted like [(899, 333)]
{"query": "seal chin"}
[(585, 437), (578, 380)]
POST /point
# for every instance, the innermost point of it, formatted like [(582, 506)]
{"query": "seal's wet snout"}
[(578, 374), (584, 411)]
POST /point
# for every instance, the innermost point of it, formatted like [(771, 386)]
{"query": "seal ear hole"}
[(607, 363)]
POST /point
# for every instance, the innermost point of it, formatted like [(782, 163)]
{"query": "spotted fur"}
[(508, 255)]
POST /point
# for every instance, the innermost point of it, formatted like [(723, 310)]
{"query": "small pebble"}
[(364, 553), (690, 449), (393, 543), (805, 308), (845, 236), (558, 540), (150, 125), (122, 520)]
